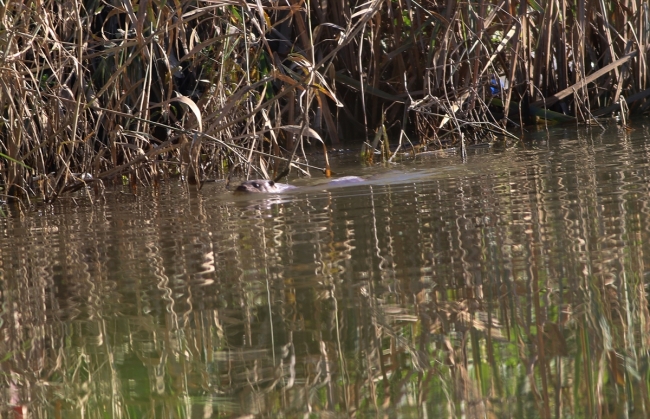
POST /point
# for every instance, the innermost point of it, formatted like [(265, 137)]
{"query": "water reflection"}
[(512, 286)]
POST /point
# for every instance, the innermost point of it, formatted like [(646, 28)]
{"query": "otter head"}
[(264, 186), (256, 186)]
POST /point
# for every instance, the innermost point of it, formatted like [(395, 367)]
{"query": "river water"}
[(512, 285)]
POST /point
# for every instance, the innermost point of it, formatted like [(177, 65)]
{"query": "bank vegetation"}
[(138, 91)]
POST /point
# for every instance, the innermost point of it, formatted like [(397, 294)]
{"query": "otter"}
[(263, 186), (269, 186)]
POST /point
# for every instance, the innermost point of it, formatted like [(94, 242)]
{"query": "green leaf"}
[(15, 161)]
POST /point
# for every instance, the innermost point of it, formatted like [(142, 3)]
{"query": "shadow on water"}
[(511, 286)]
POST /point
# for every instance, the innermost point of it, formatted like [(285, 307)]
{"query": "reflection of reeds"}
[(109, 90), (505, 294)]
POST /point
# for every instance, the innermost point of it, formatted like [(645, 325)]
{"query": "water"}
[(511, 286)]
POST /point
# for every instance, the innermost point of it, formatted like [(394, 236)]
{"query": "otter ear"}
[(271, 183)]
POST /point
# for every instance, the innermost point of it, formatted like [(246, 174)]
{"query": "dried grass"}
[(118, 89)]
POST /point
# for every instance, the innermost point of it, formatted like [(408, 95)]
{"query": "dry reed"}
[(140, 91)]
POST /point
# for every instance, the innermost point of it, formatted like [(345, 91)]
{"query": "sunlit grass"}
[(107, 90)]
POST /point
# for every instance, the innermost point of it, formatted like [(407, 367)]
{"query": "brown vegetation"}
[(151, 89)]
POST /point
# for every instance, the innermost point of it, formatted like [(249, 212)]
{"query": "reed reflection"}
[(517, 290)]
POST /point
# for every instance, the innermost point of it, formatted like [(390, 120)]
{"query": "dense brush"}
[(135, 91)]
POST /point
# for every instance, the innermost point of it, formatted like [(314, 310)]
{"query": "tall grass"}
[(142, 90)]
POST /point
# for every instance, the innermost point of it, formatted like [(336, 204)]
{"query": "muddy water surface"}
[(510, 286)]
